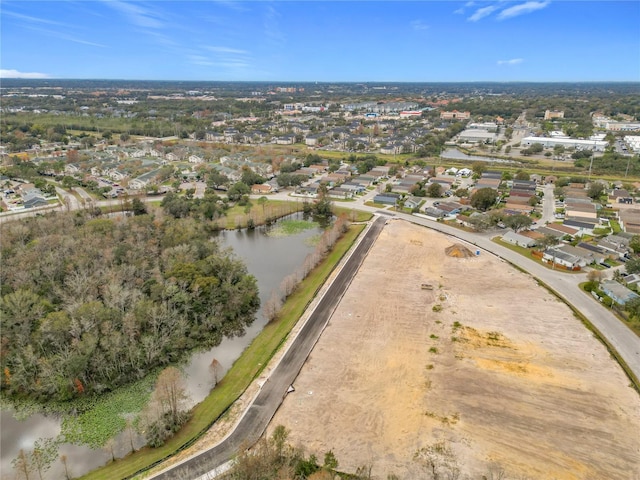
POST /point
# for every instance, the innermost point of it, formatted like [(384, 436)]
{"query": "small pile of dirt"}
[(458, 250)]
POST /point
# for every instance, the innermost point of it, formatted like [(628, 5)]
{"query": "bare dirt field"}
[(487, 365)]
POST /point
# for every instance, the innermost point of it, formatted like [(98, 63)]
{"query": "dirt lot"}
[(517, 381)]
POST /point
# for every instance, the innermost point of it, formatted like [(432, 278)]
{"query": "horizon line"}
[(313, 81)]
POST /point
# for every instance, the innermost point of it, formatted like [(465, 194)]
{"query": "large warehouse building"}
[(546, 142)]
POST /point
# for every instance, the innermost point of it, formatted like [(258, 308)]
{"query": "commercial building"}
[(476, 135), (547, 142), (455, 115), (552, 114)]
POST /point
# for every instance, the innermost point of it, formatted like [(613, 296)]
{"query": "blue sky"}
[(421, 41)]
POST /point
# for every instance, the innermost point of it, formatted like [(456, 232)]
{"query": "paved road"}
[(548, 205), (69, 201), (259, 414)]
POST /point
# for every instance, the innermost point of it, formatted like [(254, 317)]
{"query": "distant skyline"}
[(306, 41)]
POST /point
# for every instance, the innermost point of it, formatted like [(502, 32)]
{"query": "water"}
[(456, 154), (269, 259)]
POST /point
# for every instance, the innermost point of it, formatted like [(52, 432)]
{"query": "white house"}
[(519, 240)]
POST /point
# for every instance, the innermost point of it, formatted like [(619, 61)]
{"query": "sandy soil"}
[(517, 381)]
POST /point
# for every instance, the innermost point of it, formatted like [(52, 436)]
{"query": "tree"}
[(633, 307), (217, 180), (249, 177), (279, 438), (263, 201), (595, 190), (324, 207), (479, 167), (479, 222), (518, 222), (595, 277), (434, 190), (536, 148), (634, 244), (215, 368), (522, 176), (39, 460), (22, 464), (168, 399), (237, 191), (483, 199), (548, 241), (138, 207), (63, 459), (170, 392), (633, 266)]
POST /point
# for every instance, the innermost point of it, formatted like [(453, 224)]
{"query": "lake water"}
[(269, 259)]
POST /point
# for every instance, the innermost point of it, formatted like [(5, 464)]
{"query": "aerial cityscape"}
[(320, 240)]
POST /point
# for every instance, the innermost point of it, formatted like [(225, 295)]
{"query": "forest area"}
[(90, 304)]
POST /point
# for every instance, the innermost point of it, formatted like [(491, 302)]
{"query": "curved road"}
[(257, 417)]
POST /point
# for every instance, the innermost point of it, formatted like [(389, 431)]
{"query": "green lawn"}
[(526, 252), (237, 217), (353, 215), (238, 378)]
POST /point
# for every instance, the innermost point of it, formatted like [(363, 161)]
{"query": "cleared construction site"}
[(436, 344)]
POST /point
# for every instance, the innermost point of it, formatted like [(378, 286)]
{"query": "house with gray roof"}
[(567, 260), (34, 198), (517, 239), (617, 292), (386, 198)]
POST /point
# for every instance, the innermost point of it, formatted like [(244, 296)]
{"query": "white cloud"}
[(137, 14), (235, 51), (272, 26), (419, 25), (4, 73), (459, 11), (482, 12), (522, 9), (237, 6), (220, 56), (207, 62), (30, 19), (513, 61), (64, 36)]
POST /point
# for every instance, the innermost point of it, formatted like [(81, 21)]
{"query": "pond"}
[(269, 258), (455, 154)]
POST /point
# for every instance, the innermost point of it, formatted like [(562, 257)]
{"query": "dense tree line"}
[(91, 304)]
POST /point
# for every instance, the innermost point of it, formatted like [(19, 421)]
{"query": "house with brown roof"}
[(258, 189), (630, 220)]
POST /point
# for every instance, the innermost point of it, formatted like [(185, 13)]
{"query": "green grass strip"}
[(248, 367)]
